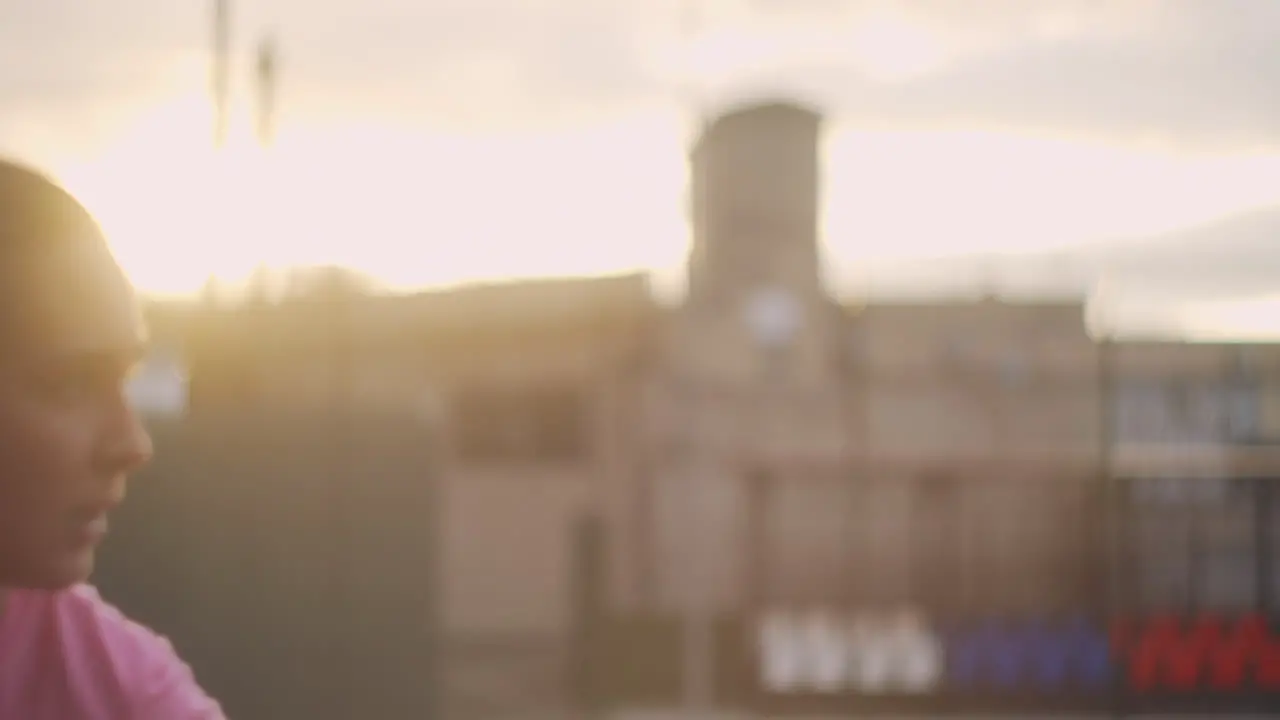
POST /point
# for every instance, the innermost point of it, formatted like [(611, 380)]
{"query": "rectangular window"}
[(806, 524), (959, 545), (1272, 537), (1024, 545), (1159, 545), (1180, 410), (1227, 569), (883, 537), (1191, 545), (1206, 412), (937, 552), (1143, 413), (520, 424), (1268, 421)]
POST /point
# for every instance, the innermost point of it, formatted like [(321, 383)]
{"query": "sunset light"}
[(428, 199), (658, 359), (416, 207)]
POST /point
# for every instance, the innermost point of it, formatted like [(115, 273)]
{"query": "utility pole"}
[(220, 72), (1114, 502), (266, 71), (699, 661)]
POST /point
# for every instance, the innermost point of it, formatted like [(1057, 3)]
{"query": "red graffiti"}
[(1268, 671), (1207, 653)]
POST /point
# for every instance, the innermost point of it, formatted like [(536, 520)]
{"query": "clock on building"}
[(773, 317)]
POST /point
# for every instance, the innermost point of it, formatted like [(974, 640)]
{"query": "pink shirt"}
[(70, 656)]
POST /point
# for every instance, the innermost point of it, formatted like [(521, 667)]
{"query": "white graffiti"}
[(823, 652)]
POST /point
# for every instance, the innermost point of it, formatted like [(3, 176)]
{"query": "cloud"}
[(1233, 257), (1195, 74), (483, 62), (1189, 72), (68, 49), (1225, 259)]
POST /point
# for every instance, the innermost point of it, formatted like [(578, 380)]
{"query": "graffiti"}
[(824, 652), (865, 653), (1000, 656), (1166, 653)]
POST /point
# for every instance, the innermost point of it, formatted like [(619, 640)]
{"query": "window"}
[(1205, 412), (883, 539), (1227, 568), (1159, 540), (1191, 545), (965, 546), (1174, 411), (805, 536), (1268, 420), (937, 551), (1142, 412), (1244, 412), (1024, 546), (522, 424), (1271, 536)]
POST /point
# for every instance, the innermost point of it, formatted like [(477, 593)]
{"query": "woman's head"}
[(70, 331)]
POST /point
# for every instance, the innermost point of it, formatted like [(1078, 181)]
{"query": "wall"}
[(984, 382), (506, 548), (291, 559)]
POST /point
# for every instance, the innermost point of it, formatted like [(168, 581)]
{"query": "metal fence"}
[(289, 557)]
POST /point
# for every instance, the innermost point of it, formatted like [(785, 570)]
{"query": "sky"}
[(1128, 148)]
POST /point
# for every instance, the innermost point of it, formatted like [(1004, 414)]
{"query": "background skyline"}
[(1045, 147)]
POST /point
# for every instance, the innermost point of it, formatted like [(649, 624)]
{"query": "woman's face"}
[(68, 437)]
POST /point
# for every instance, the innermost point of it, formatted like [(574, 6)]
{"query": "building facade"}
[(766, 448)]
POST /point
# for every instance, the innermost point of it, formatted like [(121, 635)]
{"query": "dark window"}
[(1159, 548), (1192, 545), (1179, 410), (975, 546), (1227, 569), (1269, 537), (520, 424)]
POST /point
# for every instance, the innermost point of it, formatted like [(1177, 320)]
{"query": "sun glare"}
[(1248, 318), (414, 206), (168, 203), (410, 208)]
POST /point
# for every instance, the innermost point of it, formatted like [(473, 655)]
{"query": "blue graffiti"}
[(1004, 656)]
